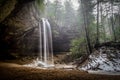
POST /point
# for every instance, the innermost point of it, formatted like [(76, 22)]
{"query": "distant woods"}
[(87, 26)]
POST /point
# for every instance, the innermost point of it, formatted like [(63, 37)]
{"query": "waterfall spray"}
[(45, 58), (46, 48)]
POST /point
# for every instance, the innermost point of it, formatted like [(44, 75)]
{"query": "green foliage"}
[(40, 4), (78, 47)]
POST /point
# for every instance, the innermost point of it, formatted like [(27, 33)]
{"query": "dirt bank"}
[(12, 71)]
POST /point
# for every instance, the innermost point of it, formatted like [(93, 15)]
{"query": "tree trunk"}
[(86, 27), (97, 36), (102, 25), (113, 29)]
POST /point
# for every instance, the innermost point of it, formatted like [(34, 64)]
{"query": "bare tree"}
[(85, 17), (97, 36)]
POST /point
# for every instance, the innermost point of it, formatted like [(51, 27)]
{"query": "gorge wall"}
[(19, 27)]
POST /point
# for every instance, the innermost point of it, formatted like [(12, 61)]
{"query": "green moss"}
[(6, 9), (78, 47), (40, 4)]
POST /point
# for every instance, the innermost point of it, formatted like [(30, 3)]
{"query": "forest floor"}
[(14, 71)]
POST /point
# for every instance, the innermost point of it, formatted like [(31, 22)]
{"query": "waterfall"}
[(46, 48), (45, 58)]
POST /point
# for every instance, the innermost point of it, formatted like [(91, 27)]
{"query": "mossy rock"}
[(7, 8)]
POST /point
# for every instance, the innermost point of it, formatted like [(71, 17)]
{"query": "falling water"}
[(46, 48), (45, 58)]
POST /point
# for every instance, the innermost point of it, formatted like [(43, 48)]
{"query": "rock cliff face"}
[(19, 27)]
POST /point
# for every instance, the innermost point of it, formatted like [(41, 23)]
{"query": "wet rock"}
[(19, 28)]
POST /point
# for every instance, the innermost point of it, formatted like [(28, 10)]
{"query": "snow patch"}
[(106, 59)]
